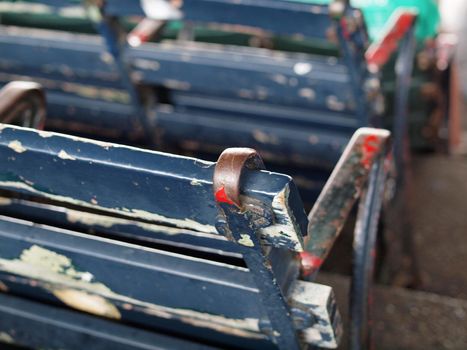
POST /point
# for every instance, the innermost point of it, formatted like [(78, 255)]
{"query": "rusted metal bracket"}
[(22, 103), (228, 173), (235, 222)]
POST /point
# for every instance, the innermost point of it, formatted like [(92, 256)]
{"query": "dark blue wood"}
[(142, 185), (152, 289), (266, 78), (33, 324), (280, 17), (239, 225), (187, 286), (121, 228), (267, 89)]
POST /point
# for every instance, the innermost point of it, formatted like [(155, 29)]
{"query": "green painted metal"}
[(378, 12)]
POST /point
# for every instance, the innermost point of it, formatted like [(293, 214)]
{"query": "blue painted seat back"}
[(296, 109), (143, 186), (79, 219), (252, 74)]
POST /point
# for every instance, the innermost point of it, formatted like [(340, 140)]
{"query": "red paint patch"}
[(370, 146), (310, 263), (345, 31), (380, 52), (221, 196)]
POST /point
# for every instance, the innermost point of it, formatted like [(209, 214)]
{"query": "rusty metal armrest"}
[(360, 173), (23, 103)]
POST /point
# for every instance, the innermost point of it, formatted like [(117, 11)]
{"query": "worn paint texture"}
[(57, 274), (285, 233)]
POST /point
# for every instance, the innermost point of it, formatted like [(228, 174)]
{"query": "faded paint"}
[(146, 64), (279, 79), (318, 301), (107, 57), (287, 230), (177, 84), (55, 272), (302, 68), (45, 134), (64, 155), (5, 201), (90, 219), (105, 145), (307, 93), (246, 241), (87, 91), (265, 138), (90, 303), (16, 146), (6, 338), (136, 213), (56, 269), (333, 103)]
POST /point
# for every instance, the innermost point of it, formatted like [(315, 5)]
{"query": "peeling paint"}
[(265, 138), (195, 183), (16, 146), (104, 145), (177, 84), (90, 219), (334, 104), (286, 231), (55, 272), (319, 301), (307, 93), (106, 94), (45, 134), (106, 57), (246, 241), (6, 338), (93, 304), (146, 64), (136, 213), (63, 155), (185, 223), (5, 201), (87, 91), (302, 68), (279, 79)]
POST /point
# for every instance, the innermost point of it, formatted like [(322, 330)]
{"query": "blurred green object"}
[(378, 12)]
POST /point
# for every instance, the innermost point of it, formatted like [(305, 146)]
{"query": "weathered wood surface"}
[(148, 186)]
